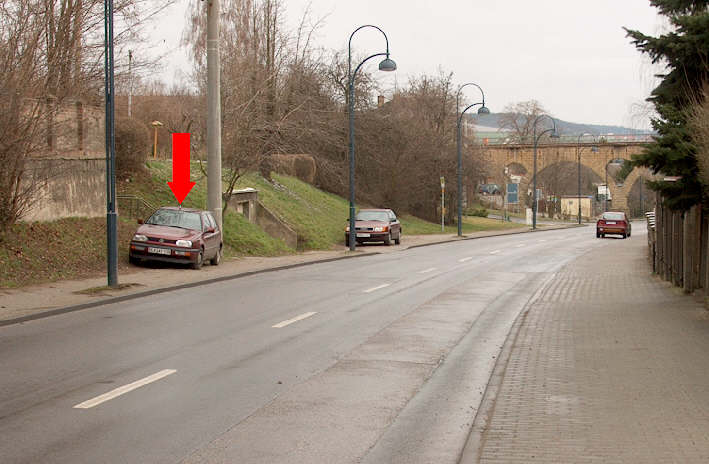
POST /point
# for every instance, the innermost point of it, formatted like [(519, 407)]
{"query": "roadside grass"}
[(33, 253), (71, 248), (319, 218)]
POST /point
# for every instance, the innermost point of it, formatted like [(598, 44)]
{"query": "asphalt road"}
[(383, 358)]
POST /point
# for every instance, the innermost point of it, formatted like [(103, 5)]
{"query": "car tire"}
[(200, 260), (387, 240), (598, 234), (624, 235), (217, 257), (603, 235), (398, 239), (134, 261)]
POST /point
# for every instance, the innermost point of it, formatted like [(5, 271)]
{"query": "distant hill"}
[(490, 123)]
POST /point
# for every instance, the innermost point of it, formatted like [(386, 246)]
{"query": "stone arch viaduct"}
[(498, 157)]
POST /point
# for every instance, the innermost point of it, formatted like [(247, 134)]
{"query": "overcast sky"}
[(570, 55)]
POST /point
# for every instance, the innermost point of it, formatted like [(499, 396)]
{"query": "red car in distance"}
[(613, 222), (177, 235)]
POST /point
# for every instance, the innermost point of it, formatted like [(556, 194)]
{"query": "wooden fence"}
[(679, 245)]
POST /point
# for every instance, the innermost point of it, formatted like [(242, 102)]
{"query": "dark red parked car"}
[(613, 223), (178, 235), (375, 225)]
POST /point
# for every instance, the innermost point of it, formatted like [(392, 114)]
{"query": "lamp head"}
[(387, 65), (483, 110), (555, 134)]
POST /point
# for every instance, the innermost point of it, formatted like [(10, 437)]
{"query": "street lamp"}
[(594, 149), (482, 110), (387, 64), (109, 89), (156, 125), (553, 135)]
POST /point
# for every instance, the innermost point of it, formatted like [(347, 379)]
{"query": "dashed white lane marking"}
[(462, 260), (494, 252), (426, 271), (378, 287), (295, 319), (542, 240), (124, 389), (520, 245)]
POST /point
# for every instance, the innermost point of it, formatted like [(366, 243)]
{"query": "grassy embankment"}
[(76, 247)]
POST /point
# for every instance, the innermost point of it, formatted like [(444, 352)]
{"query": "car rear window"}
[(382, 216), (176, 218), (614, 216)]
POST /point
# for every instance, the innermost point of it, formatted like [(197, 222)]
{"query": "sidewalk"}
[(609, 365), (37, 299)]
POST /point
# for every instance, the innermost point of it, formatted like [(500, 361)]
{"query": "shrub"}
[(132, 147), (480, 212)]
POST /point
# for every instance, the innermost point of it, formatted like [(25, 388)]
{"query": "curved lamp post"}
[(387, 64), (482, 110), (553, 135), (594, 149)]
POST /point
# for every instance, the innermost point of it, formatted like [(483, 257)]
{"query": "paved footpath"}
[(609, 365)]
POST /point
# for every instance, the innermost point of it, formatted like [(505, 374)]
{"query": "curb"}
[(570, 226), (133, 296), (156, 291)]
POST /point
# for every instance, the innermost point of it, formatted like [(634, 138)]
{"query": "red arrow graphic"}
[(180, 184)]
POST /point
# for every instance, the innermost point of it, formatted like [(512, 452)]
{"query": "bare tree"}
[(519, 118)]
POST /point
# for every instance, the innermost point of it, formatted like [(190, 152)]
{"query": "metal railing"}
[(134, 206)]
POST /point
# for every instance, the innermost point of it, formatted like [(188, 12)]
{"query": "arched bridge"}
[(560, 159)]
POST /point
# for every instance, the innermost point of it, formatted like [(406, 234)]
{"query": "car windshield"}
[(381, 216), (613, 216), (176, 218)]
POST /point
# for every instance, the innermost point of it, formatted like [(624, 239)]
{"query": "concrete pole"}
[(214, 117), (130, 83)]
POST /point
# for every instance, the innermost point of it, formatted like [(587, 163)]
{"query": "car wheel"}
[(387, 240), (217, 257), (398, 239), (598, 234), (603, 235), (133, 260), (200, 260), (625, 235)]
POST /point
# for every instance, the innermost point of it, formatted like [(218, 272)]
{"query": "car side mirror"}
[(140, 221), (210, 230)]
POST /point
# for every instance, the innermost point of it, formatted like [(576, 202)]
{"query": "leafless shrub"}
[(699, 120), (132, 147)]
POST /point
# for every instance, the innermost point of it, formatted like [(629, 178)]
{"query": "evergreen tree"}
[(685, 52)]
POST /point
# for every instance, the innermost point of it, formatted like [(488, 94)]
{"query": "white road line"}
[(426, 271), (295, 319), (542, 240), (374, 289), (494, 252), (520, 245), (124, 389), (462, 260)]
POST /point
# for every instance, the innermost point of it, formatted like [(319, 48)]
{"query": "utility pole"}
[(130, 83), (214, 118)]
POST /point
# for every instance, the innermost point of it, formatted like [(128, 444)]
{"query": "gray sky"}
[(571, 55)]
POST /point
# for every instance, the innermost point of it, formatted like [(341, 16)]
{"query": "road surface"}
[(382, 358)]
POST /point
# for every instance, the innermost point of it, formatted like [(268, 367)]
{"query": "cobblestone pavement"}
[(609, 366)]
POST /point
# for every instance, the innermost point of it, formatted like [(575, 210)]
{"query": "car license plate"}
[(159, 251), (610, 222), (363, 235)]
